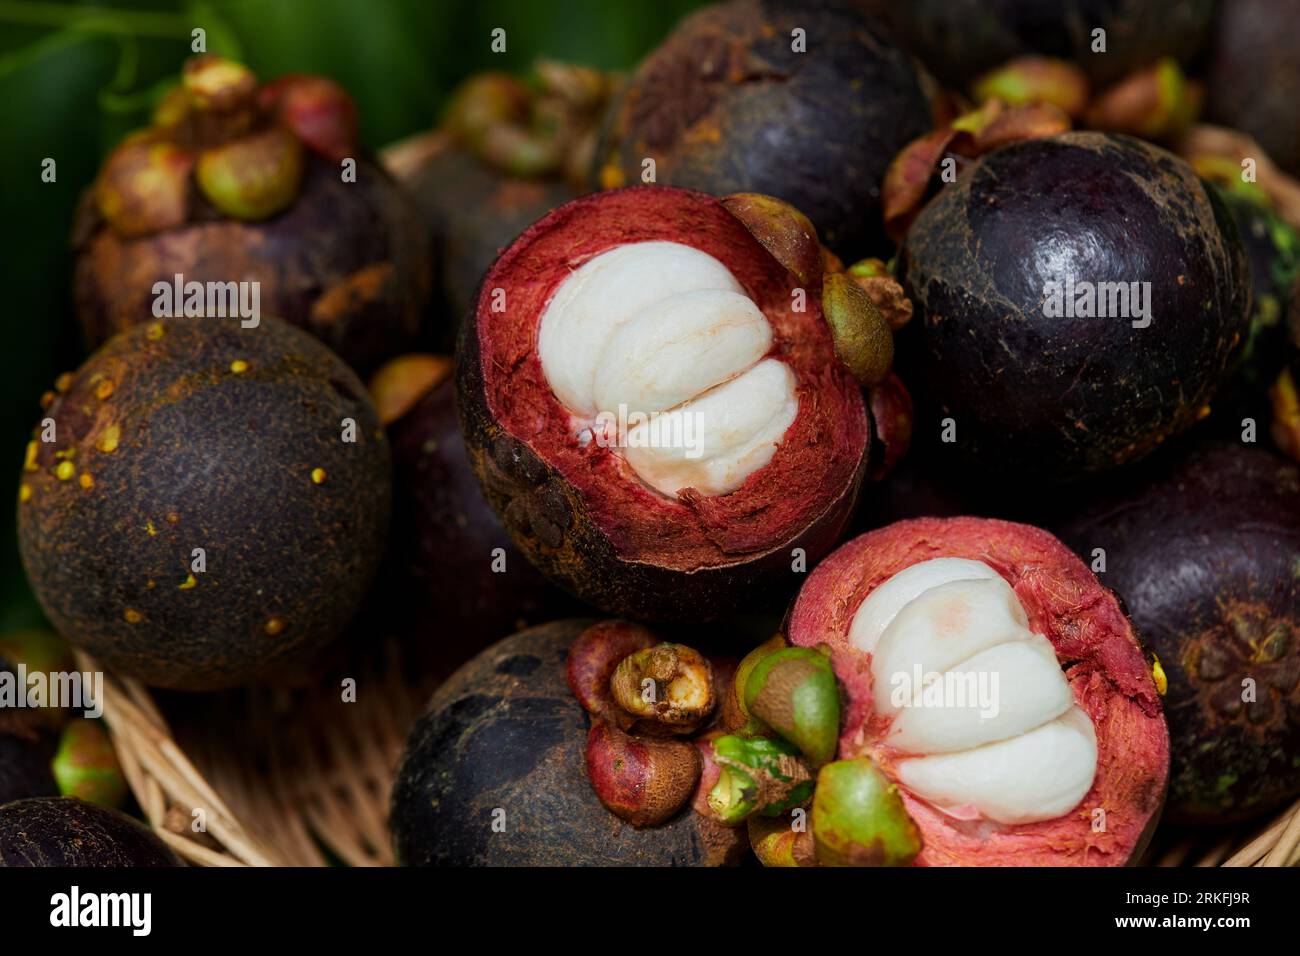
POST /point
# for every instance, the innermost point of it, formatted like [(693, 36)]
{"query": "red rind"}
[(1095, 644), (581, 513)]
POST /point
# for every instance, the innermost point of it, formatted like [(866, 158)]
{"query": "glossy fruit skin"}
[(607, 540), (1204, 548), (1252, 81), (959, 39), (445, 540), (505, 732), (215, 437), (1057, 399), (726, 105), (347, 261), (64, 831)]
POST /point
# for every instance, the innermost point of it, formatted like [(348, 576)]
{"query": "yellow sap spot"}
[(65, 470), (318, 476), (29, 461), (108, 441), (104, 389), (86, 481), (1158, 675), (189, 583), (154, 332), (151, 584), (24, 492), (132, 616), (63, 382), (274, 626), (148, 526), (238, 366), (173, 518)]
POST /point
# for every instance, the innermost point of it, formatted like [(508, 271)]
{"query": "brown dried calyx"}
[(544, 126), (222, 145), (642, 696)]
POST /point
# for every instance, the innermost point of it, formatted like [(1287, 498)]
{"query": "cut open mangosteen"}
[(654, 405), (998, 685)]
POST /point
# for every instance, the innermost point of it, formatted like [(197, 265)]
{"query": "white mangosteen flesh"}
[(977, 702), (655, 347)]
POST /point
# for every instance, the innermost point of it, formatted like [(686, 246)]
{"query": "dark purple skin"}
[(1253, 78), (213, 458), (959, 39), (1205, 552), (64, 831), (1060, 399), (444, 538), (505, 732), (724, 105)]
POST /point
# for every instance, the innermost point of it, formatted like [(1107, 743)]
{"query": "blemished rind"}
[(1062, 398), (1103, 662), (1206, 555), (347, 261), (64, 831), (959, 39), (194, 433), (728, 103), (462, 578), (504, 740), (1252, 80), (578, 512)]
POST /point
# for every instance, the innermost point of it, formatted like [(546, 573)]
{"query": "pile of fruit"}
[(871, 438)]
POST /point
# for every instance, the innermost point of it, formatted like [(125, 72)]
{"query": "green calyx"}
[(858, 818), (794, 691), (863, 340), (85, 765), (762, 775), (753, 726), (37, 650)]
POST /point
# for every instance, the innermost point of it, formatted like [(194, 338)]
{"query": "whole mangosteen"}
[(204, 504), (1253, 79), (1205, 552), (656, 406), (995, 686), (808, 103), (494, 774), (1080, 298), (64, 831), (959, 39), (244, 188)]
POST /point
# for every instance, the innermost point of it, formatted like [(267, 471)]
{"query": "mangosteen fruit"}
[(495, 774), (659, 409), (204, 504), (1080, 298), (959, 39), (1253, 76), (806, 103), (1205, 551), (248, 199), (65, 831), (456, 564), (991, 685)]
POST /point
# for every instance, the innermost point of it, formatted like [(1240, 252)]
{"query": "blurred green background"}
[(75, 77)]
